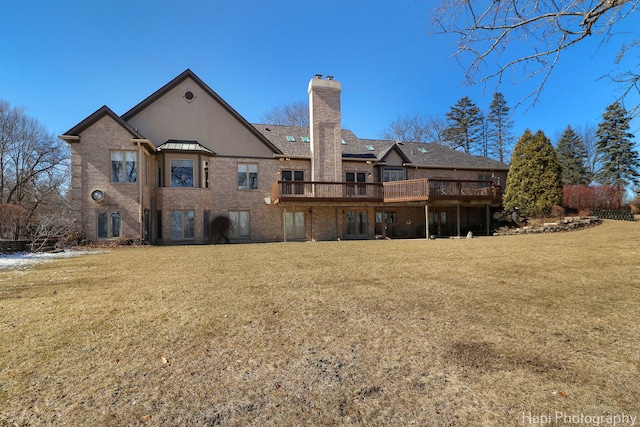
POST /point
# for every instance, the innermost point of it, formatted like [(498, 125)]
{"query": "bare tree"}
[(587, 134), (294, 114), (498, 36), (33, 162), (415, 128)]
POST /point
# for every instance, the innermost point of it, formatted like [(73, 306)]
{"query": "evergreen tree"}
[(619, 162), (499, 125), (534, 181), (465, 126), (572, 155)]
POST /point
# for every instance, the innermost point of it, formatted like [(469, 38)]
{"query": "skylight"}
[(305, 139), (291, 138), (370, 147), (344, 142), (423, 150)]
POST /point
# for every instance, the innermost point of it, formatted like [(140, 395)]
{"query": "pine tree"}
[(499, 125), (465, 126), (572, 155), (619, 162), (534, 181)]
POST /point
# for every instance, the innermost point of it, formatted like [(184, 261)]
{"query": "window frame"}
[(357, 223), (173, 178), (185, 233), (292, 175), (387, 171), (250, 179), (240, 229), (127, 173), (355, 180), (109, 225), (390, 217)]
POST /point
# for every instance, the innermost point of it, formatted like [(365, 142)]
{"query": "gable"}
[(92, 119), (393, 159), (186, 109)]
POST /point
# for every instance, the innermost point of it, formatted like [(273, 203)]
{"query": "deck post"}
[(284, 224), (336, 220), (426, 221), (488, 219), (384, 223), (458, 218)]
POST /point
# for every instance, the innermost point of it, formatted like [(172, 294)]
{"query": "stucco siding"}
[(202, 119)]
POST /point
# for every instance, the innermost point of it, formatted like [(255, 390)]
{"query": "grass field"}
[(483, 332)]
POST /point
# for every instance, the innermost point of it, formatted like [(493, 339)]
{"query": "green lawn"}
[(492, 331)]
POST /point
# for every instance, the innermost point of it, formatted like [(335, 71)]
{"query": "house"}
[(162, 171)]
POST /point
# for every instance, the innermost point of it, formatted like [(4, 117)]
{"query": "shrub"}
[(594, 196)]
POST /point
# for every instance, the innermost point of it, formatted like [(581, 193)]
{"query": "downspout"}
[(140, 205)]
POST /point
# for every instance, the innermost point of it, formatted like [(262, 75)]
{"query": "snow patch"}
[(22, 259)]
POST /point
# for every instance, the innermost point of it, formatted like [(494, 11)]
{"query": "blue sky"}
[(64, 59)]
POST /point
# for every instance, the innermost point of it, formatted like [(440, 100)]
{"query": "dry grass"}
[(440, 333)]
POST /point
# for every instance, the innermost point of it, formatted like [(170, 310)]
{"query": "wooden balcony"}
[(308, 191), (441, 189), (415, 190)]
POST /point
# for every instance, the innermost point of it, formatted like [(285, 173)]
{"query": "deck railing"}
[(440, 189), (326, 191), (396, 191)]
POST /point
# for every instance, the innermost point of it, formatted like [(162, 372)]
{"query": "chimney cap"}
[(329, 77), (318, 76)]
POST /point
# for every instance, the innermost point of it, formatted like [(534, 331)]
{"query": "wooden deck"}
[(416, 190)]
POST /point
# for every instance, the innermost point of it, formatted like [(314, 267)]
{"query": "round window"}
[(97, 195), (189, 96)]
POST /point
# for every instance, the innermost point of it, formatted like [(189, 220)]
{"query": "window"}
[(389, 217), (159, 225), (356, 224), (392, 174), (206, 225), (423, 150), (370, 147), (159, 179), (108, 225), (294, 227), (205, 174), (356, 190), (182, 225), (181, 173), (293, 175), (247, 176), (239, 224), (305, 139), (124, 166), (291, 138)]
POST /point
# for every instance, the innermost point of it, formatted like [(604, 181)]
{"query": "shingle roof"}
[(418, 154), (97, 115)]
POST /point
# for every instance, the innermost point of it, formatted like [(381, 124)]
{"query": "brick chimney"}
[(326, 135)]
